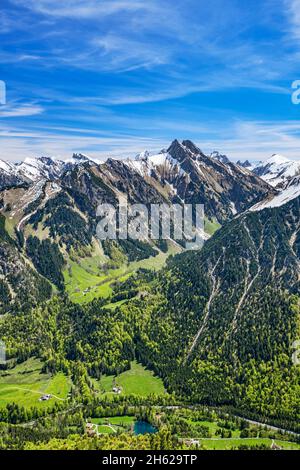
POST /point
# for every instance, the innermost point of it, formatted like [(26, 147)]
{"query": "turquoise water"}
[(142, 427)]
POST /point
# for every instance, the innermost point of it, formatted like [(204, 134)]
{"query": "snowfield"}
[(287, 194)]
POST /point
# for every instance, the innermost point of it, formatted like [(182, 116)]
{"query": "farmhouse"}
[(90, 429), (192, 442), (45, 397)]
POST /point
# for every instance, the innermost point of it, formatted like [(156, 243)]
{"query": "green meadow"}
[(105, 430), (212, 426), (25, 383), (86, 280), (113, 424), (138, 380), (115, 420), (211, 227), (227, 444)]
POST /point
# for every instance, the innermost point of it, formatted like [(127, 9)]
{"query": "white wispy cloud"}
[(17, 144), (82, 8), (103, 55), (258, 140), (293, 17), (253, 140), (159, 37), (16, 110), (125, 54)]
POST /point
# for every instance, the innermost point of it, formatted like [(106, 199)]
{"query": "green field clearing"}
[(105, 430), (113, 424), (24, 384), (117, 420), (138, 380), (226, 444), (211, 227), (213, 427), (114, 305)]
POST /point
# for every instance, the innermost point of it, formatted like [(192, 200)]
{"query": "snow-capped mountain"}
[(182, 173), (249, 165), (277, 170), (6, 166), (9, 176), (147, 164), (192, 176), (245, 164), (58, 200), (31, 170)]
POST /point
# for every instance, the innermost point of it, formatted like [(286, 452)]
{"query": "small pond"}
[(142, 427)]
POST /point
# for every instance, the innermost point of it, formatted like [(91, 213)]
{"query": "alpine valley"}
[(103, 338)]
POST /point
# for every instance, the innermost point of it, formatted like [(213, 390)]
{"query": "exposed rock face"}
[(224, 189), (221, 158)]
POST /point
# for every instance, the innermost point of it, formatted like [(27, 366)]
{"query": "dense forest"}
[(91, 340)]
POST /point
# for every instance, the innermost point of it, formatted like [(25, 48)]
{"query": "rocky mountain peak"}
[(245, 164), (191, 146), (80, 157), (185, 149)]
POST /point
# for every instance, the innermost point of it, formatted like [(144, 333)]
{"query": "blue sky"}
[(107, 77)]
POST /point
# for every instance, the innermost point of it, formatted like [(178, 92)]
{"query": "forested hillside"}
[(220, 324), (21, 287)]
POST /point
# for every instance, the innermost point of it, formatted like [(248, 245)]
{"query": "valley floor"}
[(191, 426)]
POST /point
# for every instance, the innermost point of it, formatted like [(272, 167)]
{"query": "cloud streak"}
[(81, 8), (149, 68), (20, 110)]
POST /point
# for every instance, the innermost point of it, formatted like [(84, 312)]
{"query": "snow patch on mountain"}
[(6, 166), (249, 165), (33, 169), (144, 163), (290, 191)]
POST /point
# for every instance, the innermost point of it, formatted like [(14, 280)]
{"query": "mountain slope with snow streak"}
[(290, 191)]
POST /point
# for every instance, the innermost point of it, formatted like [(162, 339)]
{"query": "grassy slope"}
[(87, 275), (24, 384), (211, 227), (138, 380), (117, 420), (227, 444), (213, 426), (105, 430)]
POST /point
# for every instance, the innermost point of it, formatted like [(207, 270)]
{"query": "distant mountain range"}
[(49, 206), (276, 170)]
